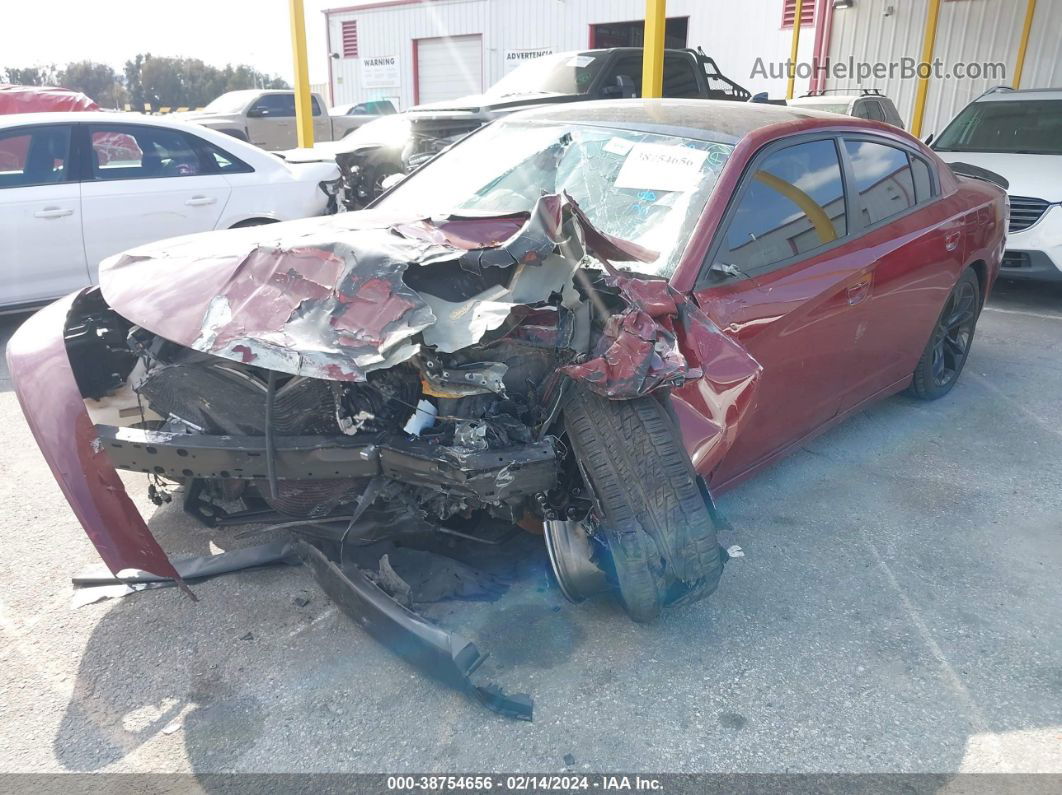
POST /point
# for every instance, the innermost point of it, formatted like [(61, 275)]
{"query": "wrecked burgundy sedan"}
[(581, 321)]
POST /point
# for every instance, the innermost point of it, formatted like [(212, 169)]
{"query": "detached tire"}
[(656, 522)]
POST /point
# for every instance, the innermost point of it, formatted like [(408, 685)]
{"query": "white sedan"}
[(78, 187)]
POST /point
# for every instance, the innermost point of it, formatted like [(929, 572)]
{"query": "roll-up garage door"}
[(449, 67)]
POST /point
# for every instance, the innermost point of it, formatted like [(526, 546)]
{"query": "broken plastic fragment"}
[(422, 419)]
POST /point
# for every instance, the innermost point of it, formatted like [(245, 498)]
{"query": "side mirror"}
[(257, 112), (929, 139)]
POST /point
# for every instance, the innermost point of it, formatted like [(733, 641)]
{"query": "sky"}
[(255, 32)]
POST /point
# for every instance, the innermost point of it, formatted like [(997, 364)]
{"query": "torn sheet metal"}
[(329, 300), (639, 349), (333, 300), (444, 655), (320, 301), (55, 412)]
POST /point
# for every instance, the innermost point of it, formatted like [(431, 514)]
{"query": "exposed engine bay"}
[(439, 376)]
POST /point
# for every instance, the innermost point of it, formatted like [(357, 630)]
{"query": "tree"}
[(134, 91), (188, 82), (147, 79), (98, 81), (30, 75)]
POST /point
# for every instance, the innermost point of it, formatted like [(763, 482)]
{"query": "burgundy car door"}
[(785, 281), (916, 241)]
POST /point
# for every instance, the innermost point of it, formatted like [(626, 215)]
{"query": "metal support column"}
[(303, 111), (653, 52), (797, 14), (928, 42), (1023, 46)]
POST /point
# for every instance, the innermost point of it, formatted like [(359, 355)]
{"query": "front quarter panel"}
[(56, 414)]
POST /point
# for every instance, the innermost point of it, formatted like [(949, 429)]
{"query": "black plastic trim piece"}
[(443, 655)]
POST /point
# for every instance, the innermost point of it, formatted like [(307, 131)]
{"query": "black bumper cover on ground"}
[(444, 655)]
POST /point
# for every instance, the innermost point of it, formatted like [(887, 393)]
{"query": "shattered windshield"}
[(566, 73), (643, 187)]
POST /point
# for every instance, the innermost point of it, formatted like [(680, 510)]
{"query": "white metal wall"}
[(968, 31), (734, 32), (1043, 62), (449, 67)]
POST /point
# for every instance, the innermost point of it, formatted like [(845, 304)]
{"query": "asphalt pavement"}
[(896, 610)]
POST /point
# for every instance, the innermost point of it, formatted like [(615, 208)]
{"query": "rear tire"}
[(949, 344), (656, 523)]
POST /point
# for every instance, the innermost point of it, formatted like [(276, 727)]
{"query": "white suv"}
[(870, 104), (1018, 135)]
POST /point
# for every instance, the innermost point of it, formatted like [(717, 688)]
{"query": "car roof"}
[(712, 120), (246, 151), (1024, 94), (90, 116), (826, 99), (606, 50)]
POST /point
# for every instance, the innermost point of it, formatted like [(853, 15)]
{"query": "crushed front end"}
[(360, 381)]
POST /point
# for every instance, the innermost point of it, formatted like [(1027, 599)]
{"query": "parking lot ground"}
[(897, 609)]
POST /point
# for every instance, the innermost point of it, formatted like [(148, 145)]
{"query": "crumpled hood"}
[(325, 298)]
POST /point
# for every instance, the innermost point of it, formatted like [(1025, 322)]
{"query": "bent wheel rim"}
[(571, 558)]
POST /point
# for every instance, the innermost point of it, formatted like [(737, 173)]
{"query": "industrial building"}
[(419, 51)]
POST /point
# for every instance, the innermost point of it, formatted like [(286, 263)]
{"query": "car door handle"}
[(53, 212), (199, 201), (951, 240)]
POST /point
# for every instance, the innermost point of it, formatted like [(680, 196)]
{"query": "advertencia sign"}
[(514, 58), (380, 71)]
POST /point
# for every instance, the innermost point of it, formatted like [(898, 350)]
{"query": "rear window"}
[(1017, 126), (124, 151), (36, 156), (275, 105), (922, 181), (563, 73), (226, 163), (883, 178)]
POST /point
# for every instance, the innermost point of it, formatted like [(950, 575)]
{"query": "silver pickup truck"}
[(266, 118)]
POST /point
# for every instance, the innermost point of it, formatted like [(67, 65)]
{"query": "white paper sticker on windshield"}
[(580, 60), (618, 146), (661, 167)]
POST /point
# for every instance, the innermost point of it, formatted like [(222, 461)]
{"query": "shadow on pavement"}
[(1027, 296), (8, 325), (896, 606)]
